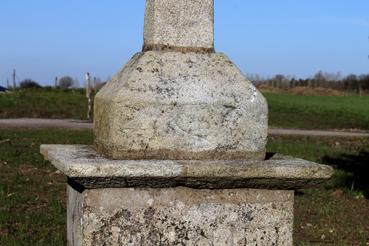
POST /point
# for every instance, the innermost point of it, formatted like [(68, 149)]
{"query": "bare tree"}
[(66, 82)]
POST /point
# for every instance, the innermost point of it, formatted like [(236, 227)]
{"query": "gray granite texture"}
[(180, 216), (173, 105), (179, 25), (86, 167)]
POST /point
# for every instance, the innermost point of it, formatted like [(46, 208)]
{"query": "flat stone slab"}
[(83, 165)]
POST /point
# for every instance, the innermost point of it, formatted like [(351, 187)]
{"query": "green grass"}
[(338, 213), (32, 192), (348, 155), (318, 112), (44, 103)]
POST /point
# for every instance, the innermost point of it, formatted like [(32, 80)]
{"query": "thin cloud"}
[(359, 22), (349, 21)]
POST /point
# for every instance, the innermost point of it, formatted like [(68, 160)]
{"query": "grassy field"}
[(32, 192), (318, 112), (44, 103), (286, 110)]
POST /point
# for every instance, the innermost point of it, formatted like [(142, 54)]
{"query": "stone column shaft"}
[(184, 25)]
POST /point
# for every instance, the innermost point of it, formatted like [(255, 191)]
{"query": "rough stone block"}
[(172, 105), (179, 24), (180, 216)]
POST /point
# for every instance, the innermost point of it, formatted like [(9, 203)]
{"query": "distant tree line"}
[(65, 82), (351, 83), (29, 83)]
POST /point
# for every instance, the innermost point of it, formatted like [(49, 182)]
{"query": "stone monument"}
[(179, 155)]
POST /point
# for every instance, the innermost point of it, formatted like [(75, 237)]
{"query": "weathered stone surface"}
[(88, 168), (170, 105), (74, 217), (182, 216), (179, 24)]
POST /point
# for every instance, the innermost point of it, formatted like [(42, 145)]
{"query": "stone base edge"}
[(163, 47), (117, 153), (196, 183)]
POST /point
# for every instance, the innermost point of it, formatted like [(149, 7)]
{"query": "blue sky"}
[(47, 38)]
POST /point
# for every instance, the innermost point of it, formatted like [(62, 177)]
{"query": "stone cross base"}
[(180, 202), (179, 216)]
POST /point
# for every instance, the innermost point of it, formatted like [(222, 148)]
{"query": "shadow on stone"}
[(269, 155), (76, 186), (356, 171)]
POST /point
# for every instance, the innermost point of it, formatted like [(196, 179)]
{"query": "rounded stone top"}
[(173, 105)]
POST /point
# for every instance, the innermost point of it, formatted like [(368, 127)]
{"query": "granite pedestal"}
[(178, 202)]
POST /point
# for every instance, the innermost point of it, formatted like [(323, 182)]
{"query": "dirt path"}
[(318, 133), (82, 125), (43, 123)]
